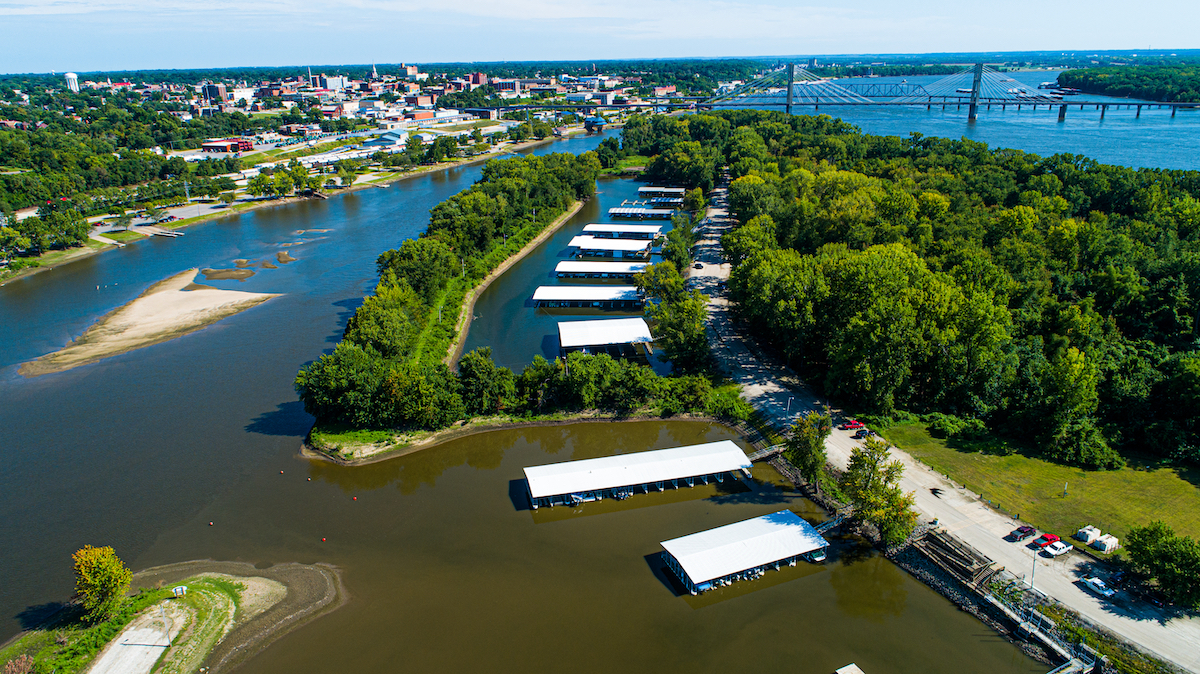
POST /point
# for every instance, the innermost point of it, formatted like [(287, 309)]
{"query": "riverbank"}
[(360, 448), (168, 309), (58, 258), (467, 310), (231, 611)]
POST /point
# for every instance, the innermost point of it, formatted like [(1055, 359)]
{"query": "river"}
[(445, 570)]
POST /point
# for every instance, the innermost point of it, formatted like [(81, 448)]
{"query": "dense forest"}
[(1054, 299), (388, 370), (1167, 83)]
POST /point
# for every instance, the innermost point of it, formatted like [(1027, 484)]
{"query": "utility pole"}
[(791, 81), (975, 92)]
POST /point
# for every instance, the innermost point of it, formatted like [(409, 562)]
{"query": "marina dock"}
[(741, 551), (574, 482), (623, 248), (592, 269), (588, 297), (623, 336)]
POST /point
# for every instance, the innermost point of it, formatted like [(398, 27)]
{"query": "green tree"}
[(486, 389), (123, 221), (260, 186), (806, 444), (694, 200), (1172, 561), (426, 264), (227, 198), (101, 581), (871, 481)]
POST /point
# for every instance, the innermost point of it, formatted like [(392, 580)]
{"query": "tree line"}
[(1053, 299), (388, 370), (1167, 83)]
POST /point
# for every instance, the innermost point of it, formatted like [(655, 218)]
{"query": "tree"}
[(1172, 561), (227, 198), (806, 444), (426, 264), (260, 186), (871, 481), (486, 389), (694, 200), (153, 213), (347, 178), (123, 221), (101, 581)]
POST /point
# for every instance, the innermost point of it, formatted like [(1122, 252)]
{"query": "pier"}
[(601, 270), (588, 297), (741, 551), (624, 336), (574, 482), (641, 213), (616, 231), (597, 247)]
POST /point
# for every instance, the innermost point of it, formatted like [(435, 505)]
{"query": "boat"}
[(816, 556), (963, 90)]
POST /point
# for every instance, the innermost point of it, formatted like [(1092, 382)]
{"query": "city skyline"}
[(135, 34)]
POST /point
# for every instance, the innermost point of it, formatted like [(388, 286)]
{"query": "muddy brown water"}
[(445, 570)]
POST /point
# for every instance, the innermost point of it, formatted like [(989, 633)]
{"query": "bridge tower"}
[(975, 92), (791, 81)]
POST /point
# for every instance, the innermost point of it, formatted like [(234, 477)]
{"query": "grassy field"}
[(1008, 476), (123, 236), (636, 161)]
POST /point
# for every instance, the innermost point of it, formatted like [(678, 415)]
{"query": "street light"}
[(789, 404)]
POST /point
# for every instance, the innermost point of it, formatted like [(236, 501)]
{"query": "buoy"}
[(281, 472), (355, 498), (310, 479), (210, 524), (322, 540)]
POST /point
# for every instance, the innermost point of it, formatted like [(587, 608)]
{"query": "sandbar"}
[(170, 308)]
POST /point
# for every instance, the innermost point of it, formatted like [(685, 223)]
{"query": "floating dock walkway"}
[(742, 551), (621, 476)]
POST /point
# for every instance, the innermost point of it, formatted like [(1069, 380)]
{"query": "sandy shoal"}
[(167, 310)]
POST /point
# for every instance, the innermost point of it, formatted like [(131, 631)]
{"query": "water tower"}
[(72, 82)]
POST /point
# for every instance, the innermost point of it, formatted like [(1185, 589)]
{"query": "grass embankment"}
[(215, 603), (1014, 479), (68, 644), (628, 165), (1121, 657), (351, 445)]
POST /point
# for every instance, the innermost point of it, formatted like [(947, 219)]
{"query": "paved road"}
[(143, 642), (779, 394)]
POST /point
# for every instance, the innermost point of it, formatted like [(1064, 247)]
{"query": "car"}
[(1097, 586), (698, 265), (1022, 532), (1046, 539), (851, 425), (1057, 548), (864, 433)]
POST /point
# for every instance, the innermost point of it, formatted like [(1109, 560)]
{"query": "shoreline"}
[(467, 309), (83, 252), (313, 590), (483, 425), (171, 308)]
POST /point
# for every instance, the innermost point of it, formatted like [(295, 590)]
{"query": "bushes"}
[(950, 426)]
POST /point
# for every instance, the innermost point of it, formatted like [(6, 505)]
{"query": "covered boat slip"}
[(617, 337), (654, 191), (640, 213), (574, 482), (630, 248), (741, 551), (615, 231), (588, 297), (593, 269)]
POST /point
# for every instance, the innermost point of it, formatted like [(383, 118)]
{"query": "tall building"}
[(72, 81), (215, 92)]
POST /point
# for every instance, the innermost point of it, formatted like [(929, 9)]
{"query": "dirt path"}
[(780, 395)]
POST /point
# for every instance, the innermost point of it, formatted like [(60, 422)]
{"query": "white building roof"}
[(592, 243), (662, 190), (574, 334), (585, 293), (585, 267), (625, 470), (624, 229), (638, 210), (715, 553)]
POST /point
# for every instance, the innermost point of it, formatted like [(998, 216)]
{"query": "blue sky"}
[(86, 35)]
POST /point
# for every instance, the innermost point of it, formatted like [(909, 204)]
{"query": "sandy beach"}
[(168, 309)]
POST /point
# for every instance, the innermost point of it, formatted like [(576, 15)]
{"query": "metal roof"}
[(662, 190), (716, 553), (623, 229), (625, 470), (585, 267), (585, 293), (638, 210), (574, 334), (592, 243)]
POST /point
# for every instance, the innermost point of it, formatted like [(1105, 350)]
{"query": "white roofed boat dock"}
[(620, 476), (616, 231), (742, 550), (596, 269), (590, 245), (593, 296)]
